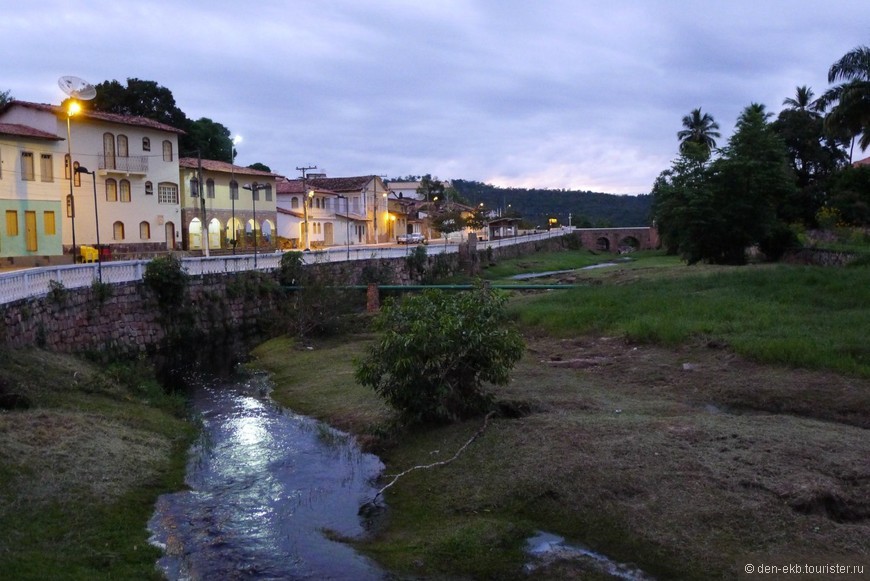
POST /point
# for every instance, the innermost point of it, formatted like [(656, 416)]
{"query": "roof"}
[(862, 162), (301, 215), (25, 131), (337, 185), (100, 116), (223, 167)]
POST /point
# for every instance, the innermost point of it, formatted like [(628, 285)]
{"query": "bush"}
[(437, 350), (166, 276)]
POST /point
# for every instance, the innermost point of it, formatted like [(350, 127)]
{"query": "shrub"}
[(436, 351), (166, 277)]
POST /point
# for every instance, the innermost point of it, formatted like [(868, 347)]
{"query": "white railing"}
[(34, 282)]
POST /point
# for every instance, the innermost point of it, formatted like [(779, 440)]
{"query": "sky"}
[(575, 94)]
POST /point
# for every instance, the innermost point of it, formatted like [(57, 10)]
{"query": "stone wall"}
[(219, 308), (819, 257)]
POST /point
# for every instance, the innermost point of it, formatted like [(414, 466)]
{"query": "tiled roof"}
[(287, 186), (25, 131), (352, 184), (223, 166), (294, 213), (100, 116), (862, 162)]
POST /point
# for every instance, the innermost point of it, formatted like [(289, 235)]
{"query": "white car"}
[(410, 239)]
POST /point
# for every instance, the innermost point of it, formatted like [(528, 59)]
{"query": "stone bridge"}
[(619, 239)]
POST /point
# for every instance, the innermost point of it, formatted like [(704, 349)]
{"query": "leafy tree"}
[(429, 188), (803, 101), (448, 221), (850, 100), (5, 97), (260, 166), (849, 191), (700, 129), (212, 140), (437, 350)]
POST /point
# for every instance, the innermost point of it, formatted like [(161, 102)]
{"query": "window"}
[(48, 221), (46, 167), (167, 193), (66, 166), (167, 150), (255, 193), (111, 190), (194, 188), (144, 230), (294, 202), (146, 144), (118, 230), (125, 190), (77, 180), (123, 150), (149, 189), (234, 190), (109, 150), (268, 191), (27, 166), (11, 223), (209, 188)]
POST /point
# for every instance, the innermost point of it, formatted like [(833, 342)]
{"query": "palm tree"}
[(850, 100), (803, 101), (700, 129)]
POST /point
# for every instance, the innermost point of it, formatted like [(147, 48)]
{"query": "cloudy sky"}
[(579, 94)]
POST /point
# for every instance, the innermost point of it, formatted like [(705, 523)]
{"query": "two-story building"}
[(238, 205), (130, 188)]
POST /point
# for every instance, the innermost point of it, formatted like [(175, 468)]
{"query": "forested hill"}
[(536, 206)]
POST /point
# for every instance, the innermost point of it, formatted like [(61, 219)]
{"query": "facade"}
[(32, 213), (130, 190), (353, 210), (239, 204)]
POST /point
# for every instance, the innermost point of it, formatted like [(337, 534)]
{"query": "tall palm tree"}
[(850, 100), (700, 129), (802, 101)]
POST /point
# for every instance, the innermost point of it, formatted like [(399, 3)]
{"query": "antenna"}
[(77, 88)]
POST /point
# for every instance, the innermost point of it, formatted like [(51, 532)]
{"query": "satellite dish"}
[(77, 88)]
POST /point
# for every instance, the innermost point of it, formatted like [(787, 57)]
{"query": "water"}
[(264, 485), (530, 275), (546, 548)]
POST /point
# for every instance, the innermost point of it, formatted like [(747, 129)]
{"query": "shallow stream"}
[(264, 486)]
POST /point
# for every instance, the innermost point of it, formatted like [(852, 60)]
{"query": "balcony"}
[(133, 164)]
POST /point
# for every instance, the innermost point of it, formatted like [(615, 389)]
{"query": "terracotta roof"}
[(862, 162), (25, 131), (287, 186), (223, 167), (293, 213), (100, 116)]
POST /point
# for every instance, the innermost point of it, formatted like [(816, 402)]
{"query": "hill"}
[(536, 206)]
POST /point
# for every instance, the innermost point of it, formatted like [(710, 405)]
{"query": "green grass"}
[(801, 316), (544, 262)]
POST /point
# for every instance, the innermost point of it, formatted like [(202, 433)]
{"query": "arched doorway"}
[(214, 233), (602, 244), (328, 234), (268, 228), (234, 230), (169, 229), (194, 234)]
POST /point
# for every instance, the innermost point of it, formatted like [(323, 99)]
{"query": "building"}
[(130, 190), (239, 204)]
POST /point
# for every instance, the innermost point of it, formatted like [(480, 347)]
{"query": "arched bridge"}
[(619, 239)]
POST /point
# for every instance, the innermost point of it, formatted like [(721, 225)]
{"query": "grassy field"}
[(663, 428), (81, 468)]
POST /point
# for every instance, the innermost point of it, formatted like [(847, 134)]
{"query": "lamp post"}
[(306, 202), (234, 192), (72, 108), (93, 175), (306, 236), (386, 217), (254, 188)]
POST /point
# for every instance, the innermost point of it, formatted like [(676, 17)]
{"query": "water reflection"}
[(264, 485)]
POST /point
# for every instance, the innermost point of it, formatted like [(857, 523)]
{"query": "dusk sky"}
[(553, 93)]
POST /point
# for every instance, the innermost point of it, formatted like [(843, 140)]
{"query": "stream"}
[(264, 486)]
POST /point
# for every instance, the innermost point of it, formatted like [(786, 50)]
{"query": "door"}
[(169, 228), (30, 231), (328, 236)]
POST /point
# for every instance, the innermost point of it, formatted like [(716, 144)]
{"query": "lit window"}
[(111, 190), (125, 190), (167, 150), (48, 220), (11, 223), (118, 230), (46, 167), (144, 230), (27, 166)]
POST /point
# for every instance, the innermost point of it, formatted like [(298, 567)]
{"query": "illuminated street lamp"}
[(73, 108), (93, 175)]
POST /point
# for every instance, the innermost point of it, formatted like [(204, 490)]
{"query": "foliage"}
[(260, 167), (849, 193), (417, 261), (448, 221), (850, 100), (436, 351), (429, 188), (101, 291), (5, 97), (211, 139), (166, 277), (57, 292), (700, 130), (538, 204), (315, 306)]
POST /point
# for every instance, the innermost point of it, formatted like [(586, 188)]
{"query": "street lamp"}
[(93, 175), (234, 191), (387, 217), (304, 201), (73, 107), (254, 188)]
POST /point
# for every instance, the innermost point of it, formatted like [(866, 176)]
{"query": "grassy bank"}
[(684, 451), (81, 468)]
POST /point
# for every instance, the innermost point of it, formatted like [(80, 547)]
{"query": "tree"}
[(850, 100), (5, 97), (211, 139), (447, 221), (430, 188), (436, 352), (849, 191), (802, 101), (699, 128), (260, 167)]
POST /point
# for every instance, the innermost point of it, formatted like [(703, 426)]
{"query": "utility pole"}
[(203, 236), (306, 238)]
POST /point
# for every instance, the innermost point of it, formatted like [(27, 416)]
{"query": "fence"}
[(34, 282)]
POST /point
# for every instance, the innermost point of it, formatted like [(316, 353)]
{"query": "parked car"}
[(410, 239)]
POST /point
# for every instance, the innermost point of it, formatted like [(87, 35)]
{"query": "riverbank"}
[(684, 458), (83, 456)]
